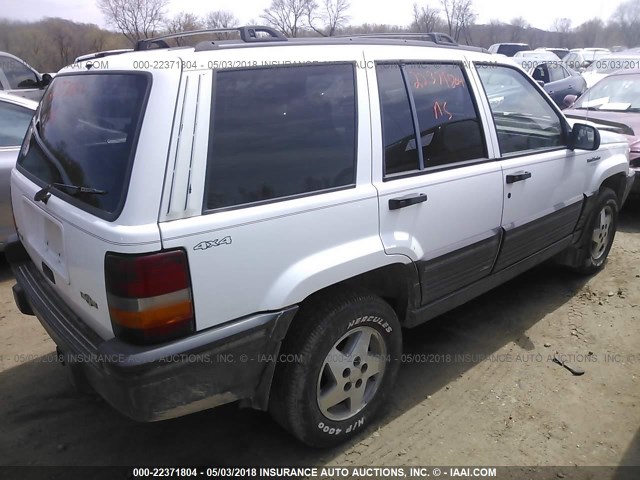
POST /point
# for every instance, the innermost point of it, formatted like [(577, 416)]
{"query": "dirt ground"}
[(481, 391)]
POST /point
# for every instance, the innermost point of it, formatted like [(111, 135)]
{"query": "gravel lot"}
[(482, 389)]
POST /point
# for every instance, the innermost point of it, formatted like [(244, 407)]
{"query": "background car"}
[(560, 52), (611, 63), (508, 49), (18, 78), (15, 115), (556, 79), (579, 59), (537, 55), (613, 104)]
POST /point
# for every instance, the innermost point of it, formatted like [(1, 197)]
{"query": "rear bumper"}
[(147, 383)]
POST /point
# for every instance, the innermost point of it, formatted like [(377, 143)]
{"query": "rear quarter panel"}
[(268, 256)]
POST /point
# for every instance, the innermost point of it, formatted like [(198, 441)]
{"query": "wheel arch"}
[(617, 183), (398, 284)]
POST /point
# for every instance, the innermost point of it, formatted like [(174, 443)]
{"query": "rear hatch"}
[(88, 179)]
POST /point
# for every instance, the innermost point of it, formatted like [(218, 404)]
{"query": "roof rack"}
[(248, 34), (435, 37)]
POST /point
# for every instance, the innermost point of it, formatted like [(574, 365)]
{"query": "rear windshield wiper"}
[(44, 194)]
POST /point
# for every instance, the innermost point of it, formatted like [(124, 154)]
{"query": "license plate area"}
[(45, 236)]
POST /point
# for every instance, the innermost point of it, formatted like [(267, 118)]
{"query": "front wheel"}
[(346, 352), (601, 232)]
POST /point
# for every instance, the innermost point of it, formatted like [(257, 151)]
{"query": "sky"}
[(539, 13)]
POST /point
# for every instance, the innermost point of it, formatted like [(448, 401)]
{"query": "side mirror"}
[(540, 82), (569, 100), (584, 137), (45, 80)]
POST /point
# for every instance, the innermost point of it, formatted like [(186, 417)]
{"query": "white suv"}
[(256, 220)]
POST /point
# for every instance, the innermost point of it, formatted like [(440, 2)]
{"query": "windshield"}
[(592, 55), (608, 65), (84, 134), (615, 93)]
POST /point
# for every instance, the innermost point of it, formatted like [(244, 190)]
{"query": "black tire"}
[(298, 385), (596, 252)]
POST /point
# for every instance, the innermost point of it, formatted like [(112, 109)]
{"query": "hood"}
[(625, 123), (591, 78), (607, 134)]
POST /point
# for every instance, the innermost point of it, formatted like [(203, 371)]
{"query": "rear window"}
[(281, 132), (511, 50), (86, 132)]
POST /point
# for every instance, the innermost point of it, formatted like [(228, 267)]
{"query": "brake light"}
[(149, 296)]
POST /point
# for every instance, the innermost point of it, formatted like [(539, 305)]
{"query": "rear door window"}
[(281, 132), (556, 73), (450, 130), (541, 73), (85, 135), (398, 131), (429, 119)]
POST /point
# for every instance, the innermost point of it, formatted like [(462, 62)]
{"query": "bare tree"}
[(627, 17), (449, 7), (61, 34), (183, 22), (136, 19), (287, 15), (425, 19), (96, 41), (494, 30), (6, 37), (518, 26), (460, 16), (591, 32), (374, 28), (330, 13), (222, 19), (464, 20), (563, 27)]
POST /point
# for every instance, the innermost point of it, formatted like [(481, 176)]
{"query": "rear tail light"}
[(149, 296)]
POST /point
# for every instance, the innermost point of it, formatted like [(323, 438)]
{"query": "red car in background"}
[(613, 104)]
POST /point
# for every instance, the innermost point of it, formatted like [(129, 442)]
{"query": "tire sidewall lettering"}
[(367, 319)]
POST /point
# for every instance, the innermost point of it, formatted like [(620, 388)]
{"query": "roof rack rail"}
[(435, 37), (248, 34)]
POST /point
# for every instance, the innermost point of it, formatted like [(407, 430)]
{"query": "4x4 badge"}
[(213, 243)]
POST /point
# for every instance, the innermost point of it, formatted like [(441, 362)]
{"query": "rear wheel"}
[(345, 354), (601, 232)]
